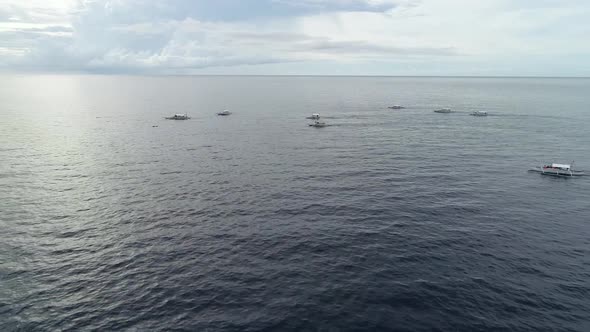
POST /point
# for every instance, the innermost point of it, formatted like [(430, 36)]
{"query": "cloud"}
[(188, 36), (341, 5)]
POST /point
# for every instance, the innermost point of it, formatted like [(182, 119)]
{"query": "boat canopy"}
[(563, 166)]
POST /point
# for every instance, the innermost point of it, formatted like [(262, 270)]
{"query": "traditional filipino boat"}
[(558, 170)]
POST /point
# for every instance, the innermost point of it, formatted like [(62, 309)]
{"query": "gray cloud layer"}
[(184, 36), (143, 36)]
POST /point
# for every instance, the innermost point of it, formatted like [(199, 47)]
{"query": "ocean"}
[(113, 218)]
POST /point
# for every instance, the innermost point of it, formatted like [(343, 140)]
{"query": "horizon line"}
[(285, 75)]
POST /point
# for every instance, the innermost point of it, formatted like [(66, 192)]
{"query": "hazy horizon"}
[(29, 73)]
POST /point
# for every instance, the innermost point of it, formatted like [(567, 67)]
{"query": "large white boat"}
[(314, 116), (443, 110), (224, 113), (558, 170), (178, 116), (479, 113)]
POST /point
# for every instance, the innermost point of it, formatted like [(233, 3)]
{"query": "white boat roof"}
[(561, 166), (315, 113), (180, 114)]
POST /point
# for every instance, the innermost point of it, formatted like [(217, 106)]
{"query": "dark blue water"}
[(402, 220)]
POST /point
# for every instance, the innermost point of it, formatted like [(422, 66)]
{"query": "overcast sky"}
[(308, 37)]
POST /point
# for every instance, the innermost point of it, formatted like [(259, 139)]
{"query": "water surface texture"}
[(113, 218)]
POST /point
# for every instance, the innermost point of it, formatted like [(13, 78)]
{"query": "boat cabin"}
[(563, 167)]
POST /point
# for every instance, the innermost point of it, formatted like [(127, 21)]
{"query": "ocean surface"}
[(113, 218)]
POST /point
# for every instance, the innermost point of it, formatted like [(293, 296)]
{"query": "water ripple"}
[(403, 221)]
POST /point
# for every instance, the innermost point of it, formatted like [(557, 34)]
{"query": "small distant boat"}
[(314, 116), (443, 110), (224, 113), (479, 113), (558, 170), (317, 124), (178, 116), (396, 107)]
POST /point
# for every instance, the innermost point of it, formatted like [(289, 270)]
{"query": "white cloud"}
[(146, 36)]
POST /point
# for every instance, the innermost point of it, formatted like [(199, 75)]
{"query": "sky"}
[(297, 37)]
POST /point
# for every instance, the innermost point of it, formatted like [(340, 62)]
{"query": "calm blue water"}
[(387, 220)]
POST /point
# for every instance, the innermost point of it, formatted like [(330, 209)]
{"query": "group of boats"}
[(441, 110), (448, 110), (184, 116), (316, 123), (561, 170)]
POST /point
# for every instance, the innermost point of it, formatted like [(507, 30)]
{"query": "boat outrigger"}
[(178, 116), (443, 110), (479, 113), (558, 170), (317, 124), (396, 107)]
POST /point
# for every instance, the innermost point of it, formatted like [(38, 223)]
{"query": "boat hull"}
[(559, 173)]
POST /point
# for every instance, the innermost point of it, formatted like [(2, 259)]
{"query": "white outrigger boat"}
[(443, 110), (396, 107), (479, 113), (317, 124), (314, 116), (558, 170), (224, 113), (178, 116)]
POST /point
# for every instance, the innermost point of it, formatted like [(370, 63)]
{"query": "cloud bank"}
[(381, 37)]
